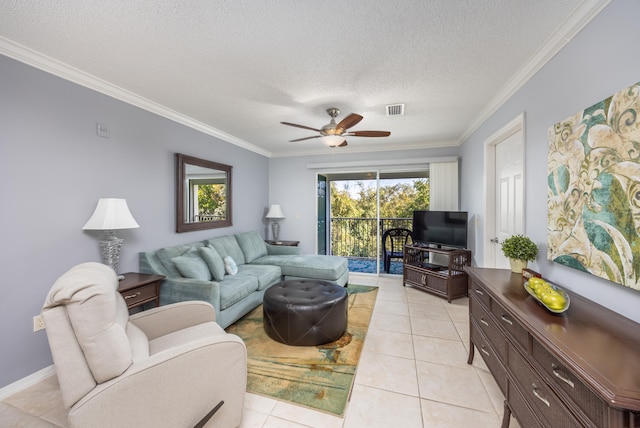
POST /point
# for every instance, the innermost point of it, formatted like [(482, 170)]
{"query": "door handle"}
[(534, 388), (494, 240)]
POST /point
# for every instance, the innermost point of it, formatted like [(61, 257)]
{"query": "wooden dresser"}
[(577, 369)]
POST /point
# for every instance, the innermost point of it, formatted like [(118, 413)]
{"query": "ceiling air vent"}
[(395, 110)]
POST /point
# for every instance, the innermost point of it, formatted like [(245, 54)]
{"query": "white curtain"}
[(443, 184)]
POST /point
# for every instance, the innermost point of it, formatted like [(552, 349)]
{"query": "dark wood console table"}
[(577, 369), (447, 279)]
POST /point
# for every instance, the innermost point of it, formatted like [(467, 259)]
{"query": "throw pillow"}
[(192, 267), (230, 265), (214, 261), (252, 245), (227, 246)]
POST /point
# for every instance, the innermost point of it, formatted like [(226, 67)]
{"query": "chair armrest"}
[(282, 250), (157, 322), (173, 388)]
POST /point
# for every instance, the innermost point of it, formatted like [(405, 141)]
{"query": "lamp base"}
[(275, 229), (110, 251)]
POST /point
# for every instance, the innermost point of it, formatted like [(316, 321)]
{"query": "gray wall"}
[(601, 60), (53, 169)]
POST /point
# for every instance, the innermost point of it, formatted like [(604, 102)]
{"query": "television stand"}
[(447, 280), (431, 266)]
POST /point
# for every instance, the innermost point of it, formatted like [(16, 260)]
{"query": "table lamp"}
[(275, 213), (110, 215)]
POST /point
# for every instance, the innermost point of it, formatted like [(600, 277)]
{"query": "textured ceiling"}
[(236, 68)]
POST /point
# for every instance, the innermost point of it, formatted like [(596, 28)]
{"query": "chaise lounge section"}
[(198, 271)]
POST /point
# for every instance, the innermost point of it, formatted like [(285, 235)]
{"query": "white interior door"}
[(509, 193), (504, 190)]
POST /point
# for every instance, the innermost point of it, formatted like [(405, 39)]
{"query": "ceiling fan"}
[(333, 134)]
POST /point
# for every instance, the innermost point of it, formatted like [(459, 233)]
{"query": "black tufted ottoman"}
[(305, 312)]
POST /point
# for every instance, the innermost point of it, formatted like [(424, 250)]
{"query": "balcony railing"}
[(356, 237)]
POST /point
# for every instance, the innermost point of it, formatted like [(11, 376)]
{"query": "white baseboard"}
[(26, 382)]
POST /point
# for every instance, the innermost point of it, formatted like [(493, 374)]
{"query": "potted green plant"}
[(520, 250)]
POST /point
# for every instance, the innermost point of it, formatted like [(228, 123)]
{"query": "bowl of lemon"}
[(549, 295)]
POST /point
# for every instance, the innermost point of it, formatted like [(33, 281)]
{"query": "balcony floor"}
[(362, 265)]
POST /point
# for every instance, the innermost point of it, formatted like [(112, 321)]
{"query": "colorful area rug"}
[(319, 377)]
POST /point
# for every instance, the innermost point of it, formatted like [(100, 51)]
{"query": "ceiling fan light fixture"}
[(333, 134), (332, 140)]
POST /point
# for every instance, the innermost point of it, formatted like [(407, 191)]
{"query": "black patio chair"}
[(393, 242)]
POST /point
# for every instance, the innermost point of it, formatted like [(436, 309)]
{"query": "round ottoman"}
[(305, 312)]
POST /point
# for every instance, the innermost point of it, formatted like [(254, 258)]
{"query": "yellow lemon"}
[(554, 300), (543, 289), (535, 281)]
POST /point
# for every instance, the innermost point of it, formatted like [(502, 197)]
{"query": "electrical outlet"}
[(38, 323)]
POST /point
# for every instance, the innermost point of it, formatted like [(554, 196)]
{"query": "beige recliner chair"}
[(170, 366)]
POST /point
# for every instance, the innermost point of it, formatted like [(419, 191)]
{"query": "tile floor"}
[(412, 373)]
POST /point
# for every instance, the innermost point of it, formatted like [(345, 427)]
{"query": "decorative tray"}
[(533, 294)]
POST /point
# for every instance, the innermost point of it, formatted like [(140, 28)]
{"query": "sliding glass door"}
[(362, 206)]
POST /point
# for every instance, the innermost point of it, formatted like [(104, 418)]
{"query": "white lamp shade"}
[(275, 212), (111, 214)]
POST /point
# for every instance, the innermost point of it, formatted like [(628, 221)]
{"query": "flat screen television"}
[(443, 228)]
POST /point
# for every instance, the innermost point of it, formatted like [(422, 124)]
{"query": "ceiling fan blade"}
[(305, 138), (344, 143), (300, 126), (348, 122), (369, 133)]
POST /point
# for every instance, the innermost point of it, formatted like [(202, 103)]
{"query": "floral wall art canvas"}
[(593, 187)]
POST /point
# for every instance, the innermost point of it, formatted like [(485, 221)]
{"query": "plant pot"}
[(517, 265)]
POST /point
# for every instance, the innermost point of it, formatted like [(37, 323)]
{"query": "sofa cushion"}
[(308, 266), (267, 275), (230, 265), (214, 261), (252, 245), (166, 256), (235, 288), (227, 246), (192, 267)]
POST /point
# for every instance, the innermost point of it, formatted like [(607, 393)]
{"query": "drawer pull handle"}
[(559, 375), (484, 322), (131, 296), (479, 292), (505, 319), (484, 351), (538, 396)]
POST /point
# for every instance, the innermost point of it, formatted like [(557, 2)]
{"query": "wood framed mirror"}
[(203, 194)]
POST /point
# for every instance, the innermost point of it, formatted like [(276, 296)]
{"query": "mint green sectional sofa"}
[(197, 271)]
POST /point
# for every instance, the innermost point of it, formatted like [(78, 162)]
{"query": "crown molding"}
[(581, 16), (50, 65), (382, 163), (390, 146)]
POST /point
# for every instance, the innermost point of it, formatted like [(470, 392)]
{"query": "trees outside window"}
[(354, 216), (398, 200)]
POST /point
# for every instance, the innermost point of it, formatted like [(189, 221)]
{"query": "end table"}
[(140, 288), (284, 243)]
